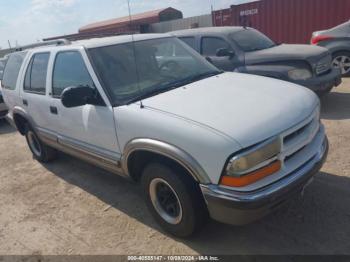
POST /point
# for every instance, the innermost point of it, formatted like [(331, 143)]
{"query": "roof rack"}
[(44, 43)]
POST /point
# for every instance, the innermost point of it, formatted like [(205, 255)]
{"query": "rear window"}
[(12, 69)]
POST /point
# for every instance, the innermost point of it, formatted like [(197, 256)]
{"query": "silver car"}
[(337, 40)]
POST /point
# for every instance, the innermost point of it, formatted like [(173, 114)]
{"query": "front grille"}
[(295, 141), (295, 134), (324, 65)]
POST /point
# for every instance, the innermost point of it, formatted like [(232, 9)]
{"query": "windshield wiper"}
[(173, 85)]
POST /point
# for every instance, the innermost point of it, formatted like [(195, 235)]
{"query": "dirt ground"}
[(70, 207)]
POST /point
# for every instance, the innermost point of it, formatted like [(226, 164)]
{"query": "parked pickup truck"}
[(148, 107), (247, 50)]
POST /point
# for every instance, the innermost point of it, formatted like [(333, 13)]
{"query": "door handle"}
[(53, 110), (25, 102)]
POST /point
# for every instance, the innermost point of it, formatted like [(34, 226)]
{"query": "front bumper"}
[(323, 83), (239, 208)]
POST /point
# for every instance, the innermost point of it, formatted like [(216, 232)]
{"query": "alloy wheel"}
[(342, 62)]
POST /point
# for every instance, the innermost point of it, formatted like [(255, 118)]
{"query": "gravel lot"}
[(70, 207)]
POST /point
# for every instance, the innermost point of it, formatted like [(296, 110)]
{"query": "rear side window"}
[(189, 41), (35, 79), (69, 70), (210, 45), (12, 69)]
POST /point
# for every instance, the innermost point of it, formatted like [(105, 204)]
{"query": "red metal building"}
[(286, 21), (137, 23)]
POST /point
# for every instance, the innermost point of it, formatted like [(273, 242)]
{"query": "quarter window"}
[(210, 45), (35, 79), (11, 71), (69, 70)]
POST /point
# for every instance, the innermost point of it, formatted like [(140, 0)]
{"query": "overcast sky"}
[(26, 21)]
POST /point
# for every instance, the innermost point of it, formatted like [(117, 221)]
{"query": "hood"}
[(286, 52), (246, 108)]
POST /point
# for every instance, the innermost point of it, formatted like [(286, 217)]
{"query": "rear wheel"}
[(174, 199), (342, 60), (40, 151)]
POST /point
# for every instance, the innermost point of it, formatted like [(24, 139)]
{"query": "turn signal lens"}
[(251, 177)]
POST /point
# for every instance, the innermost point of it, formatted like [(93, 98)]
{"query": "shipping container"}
[(179, 24), (286, 21)]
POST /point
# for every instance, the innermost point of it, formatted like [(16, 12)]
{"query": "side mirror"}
[(75, 96), (224, 52)]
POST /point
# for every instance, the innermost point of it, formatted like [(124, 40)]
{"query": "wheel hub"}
[(165, 201)]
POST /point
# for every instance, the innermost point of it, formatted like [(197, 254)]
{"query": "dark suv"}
[(247, 50)]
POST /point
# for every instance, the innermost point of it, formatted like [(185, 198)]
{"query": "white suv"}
[(147, 107)]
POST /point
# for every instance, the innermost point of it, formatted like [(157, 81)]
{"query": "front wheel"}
[(342, 60), (40, 151), (174, 199)]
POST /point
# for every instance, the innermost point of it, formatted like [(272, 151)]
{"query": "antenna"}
[(134, 51)]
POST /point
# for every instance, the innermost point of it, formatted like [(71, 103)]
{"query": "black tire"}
[(194, 212), (338, 56), (41, 152)]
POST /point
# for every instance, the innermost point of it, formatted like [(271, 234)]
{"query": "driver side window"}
[(210, 45), (69, 70)]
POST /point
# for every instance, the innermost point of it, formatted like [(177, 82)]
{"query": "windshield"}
[(252, 40), (158, 65)]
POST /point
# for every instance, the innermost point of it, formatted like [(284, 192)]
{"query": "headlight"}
[(252, 165), (299, 74)]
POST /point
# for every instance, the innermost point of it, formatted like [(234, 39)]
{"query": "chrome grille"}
[(324, 65), (295, 140)]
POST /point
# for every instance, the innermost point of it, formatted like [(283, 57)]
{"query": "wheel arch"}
[(21, 119), (141, 151)]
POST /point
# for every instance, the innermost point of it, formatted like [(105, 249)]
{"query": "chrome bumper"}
[(240, 208)]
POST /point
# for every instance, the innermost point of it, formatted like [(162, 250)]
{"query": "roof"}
[(209, 30), (100, 42), (114, 40), (107, 24)]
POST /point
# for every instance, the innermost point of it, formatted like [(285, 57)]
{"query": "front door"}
[(88, 128), (209, 47)]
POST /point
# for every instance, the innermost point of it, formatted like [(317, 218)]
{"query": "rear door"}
[(34, 95), (88, 128)]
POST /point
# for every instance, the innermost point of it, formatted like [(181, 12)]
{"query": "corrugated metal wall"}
[(287, 21), (186, 23)]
